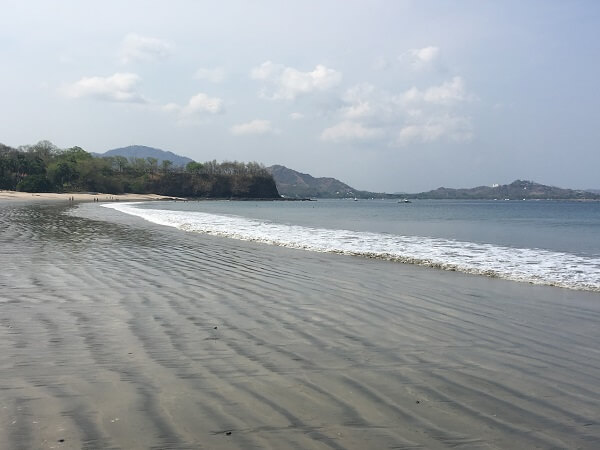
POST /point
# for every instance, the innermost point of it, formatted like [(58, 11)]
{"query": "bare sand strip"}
[(123, 334), (77, 197)]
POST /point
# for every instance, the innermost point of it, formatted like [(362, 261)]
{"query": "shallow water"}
[(118, 333), (552, 243)]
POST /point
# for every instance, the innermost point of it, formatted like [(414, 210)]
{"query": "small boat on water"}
[(404, 200)]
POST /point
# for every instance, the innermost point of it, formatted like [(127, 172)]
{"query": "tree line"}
[(43, 167)]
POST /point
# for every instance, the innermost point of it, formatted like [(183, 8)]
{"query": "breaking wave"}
[(519, 264)]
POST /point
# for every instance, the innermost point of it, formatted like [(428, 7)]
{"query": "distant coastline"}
[(291, 183), (146, 170)]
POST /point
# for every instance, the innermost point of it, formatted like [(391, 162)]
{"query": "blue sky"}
[(384, 95)]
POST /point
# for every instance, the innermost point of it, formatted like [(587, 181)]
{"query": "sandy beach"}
[(77, 197), (117, 333)]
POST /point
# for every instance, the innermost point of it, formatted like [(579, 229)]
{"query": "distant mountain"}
[(141, 151), (516, 190), (293, 184)]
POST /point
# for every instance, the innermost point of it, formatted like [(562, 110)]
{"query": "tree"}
[(194, 167), (139, 165), (121, 162), (43, 150), (165, 165), (74, 154), (152, 164), (34, 183), (63, 173)]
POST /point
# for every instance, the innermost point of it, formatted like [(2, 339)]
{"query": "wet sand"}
[(117, 333)]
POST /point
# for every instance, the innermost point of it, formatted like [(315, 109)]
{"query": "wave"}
[(536, 266)]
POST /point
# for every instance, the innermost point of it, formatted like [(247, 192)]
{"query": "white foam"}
[(519, 264)]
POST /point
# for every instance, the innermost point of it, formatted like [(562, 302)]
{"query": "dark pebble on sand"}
[(215, 328), (418, 402), (228, 433)]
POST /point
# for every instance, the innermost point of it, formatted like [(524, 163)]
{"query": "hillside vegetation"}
[(45, 168)]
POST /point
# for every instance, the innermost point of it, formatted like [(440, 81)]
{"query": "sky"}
[(387, 96)]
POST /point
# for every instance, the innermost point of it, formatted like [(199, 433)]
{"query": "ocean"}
[(542, 242)]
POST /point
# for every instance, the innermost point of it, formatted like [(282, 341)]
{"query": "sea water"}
[(544, 242)]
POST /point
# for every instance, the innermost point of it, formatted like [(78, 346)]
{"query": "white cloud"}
[(197, 108), (350, 131), (296, 116), (421, 58), (287, 82), (455, 128), (256, 126), (414, 116), (411, 95), (425, 54), (213, 75), (142, 48), (171, 107), (361, 102), (120, 87), (266, 70), (203, 104), (447, 93)]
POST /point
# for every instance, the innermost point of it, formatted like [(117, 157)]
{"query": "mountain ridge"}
[(293, 184), (517, 190), (143, 151)]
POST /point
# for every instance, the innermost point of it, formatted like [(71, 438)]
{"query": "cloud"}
[(266, 70), (454, 128), (202, 103), (425, 54), (347, 130), (198, 105), (287, 82), (142, 48), (361, 101), (171, 107), (447, 93), (421, 58), (213, 75), (414, 116), (120, 87), (256, 126), (296, 116)]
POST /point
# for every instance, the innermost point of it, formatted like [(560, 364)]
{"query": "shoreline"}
[(127, 197), (78, 197)]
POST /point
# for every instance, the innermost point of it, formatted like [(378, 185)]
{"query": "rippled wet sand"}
[(116, 333)]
